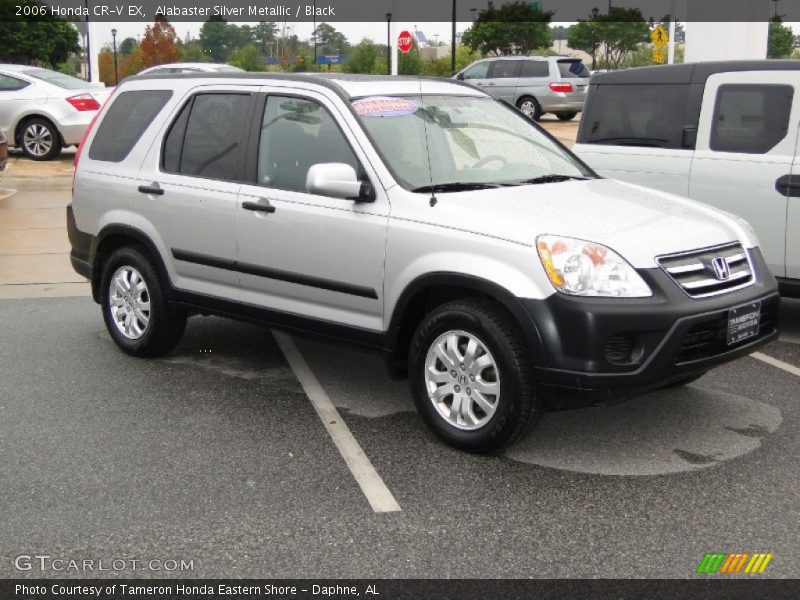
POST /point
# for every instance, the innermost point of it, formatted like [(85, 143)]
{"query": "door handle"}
[(788, 185), (491, 83), (153, 189), (258, 207)]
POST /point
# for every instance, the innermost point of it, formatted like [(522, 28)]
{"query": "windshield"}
[(429, 141), (63, 81)]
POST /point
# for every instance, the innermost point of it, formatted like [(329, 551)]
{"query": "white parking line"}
[(776, 363), (378, 495)]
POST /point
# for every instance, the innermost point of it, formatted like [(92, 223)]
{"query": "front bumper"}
[(602, 350)]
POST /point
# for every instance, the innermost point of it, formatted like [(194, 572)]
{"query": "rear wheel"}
[(566, 116), (134, 305), (471, 376), (529, 107), (39, 139)]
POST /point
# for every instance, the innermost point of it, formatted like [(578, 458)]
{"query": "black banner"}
[(707, 588), (377, 10)]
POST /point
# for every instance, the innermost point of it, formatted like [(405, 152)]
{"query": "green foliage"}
[(192, 52), (465, 56), (515, 28), (246, 58), (618, 34), (366, 57), (127, 46), (781, 39), (215, 38), (411, 62), (329, 40), (34, 40)]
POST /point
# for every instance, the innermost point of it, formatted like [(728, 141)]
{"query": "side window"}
[(125, 122), (11, 84), (502, 69), (478, 71), (205, 138), (635, 115), (297, 133), (535, 68), (750, 119)]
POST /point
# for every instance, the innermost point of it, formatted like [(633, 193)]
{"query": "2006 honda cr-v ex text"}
[(418, 218)]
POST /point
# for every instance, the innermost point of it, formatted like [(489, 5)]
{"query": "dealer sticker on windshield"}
[(385, 106), (743, 322)]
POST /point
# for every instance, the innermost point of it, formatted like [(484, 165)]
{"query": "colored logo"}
[(745, 563), (384, 106)]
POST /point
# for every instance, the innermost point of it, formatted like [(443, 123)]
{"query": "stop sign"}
[(404, 41)]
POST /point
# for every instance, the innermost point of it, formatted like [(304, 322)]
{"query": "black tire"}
[(684, 381), (49, 145), (165, 327), (517, 407), (529, 106), (566, 116)]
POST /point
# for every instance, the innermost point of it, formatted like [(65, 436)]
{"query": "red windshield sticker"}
[(384, 106)]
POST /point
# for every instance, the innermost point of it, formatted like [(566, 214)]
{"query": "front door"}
[(746, 143), (302, 253), (503, 78)]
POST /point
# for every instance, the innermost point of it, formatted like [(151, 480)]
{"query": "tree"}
[(441, 67), (781, 39), (410, 63), (264, 34), (586, 36), (159, 43), (34, 40), (127, 46), (516, 28), (215, 38), (246, 58), (364, 58), (623, 30), (329, 40), (192, 51)]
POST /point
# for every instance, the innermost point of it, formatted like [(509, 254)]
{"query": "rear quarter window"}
[(570, 69), (125, 122)]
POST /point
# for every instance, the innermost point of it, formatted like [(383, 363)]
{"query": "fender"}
[(468, 282)]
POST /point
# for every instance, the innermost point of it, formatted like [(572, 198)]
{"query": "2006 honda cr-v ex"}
[(418, 218)]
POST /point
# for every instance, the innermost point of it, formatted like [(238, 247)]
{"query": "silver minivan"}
[(534, 84)]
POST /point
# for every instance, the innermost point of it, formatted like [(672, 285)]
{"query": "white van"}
[(723, 133)]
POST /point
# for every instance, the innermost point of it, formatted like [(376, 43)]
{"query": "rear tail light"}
[(84, 102), (562, 86)]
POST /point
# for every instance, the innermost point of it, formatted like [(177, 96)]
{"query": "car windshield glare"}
[(462, 142), (59, 79)]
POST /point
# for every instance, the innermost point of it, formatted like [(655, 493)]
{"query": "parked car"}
[(43, 111), (421, 219), (189, 67), (3, 150), (534, 84), (723, 133)]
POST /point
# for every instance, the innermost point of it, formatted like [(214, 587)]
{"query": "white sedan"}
[(43, 111)]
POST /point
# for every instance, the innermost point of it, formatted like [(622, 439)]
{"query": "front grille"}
[(696, 274), (710, 338)]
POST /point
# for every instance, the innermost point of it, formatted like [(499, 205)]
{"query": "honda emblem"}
[(721, 268)]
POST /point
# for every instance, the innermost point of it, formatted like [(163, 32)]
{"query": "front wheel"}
[(135, 309), (471, 376)]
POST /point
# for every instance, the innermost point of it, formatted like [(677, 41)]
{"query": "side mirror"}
[(338, 180), (460, 76)]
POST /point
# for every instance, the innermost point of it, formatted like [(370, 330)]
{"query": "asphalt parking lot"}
[(216, 454)]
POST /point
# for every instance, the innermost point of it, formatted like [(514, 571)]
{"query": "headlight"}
[(581, 268)]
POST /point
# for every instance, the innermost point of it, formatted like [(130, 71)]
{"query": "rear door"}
[(746, 142), (635, 133), (534, 79), (188, 188), (503, 78)]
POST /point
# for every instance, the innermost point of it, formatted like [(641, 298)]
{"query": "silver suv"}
[(534, 84), (421, 219)]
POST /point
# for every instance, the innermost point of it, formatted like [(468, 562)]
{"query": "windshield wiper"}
[(455, 186), (550, 179)]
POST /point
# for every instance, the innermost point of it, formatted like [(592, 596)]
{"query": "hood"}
[(636, 222)]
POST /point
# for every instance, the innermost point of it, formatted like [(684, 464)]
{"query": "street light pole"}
[(453, 42), (388, 43), (116, 71)]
